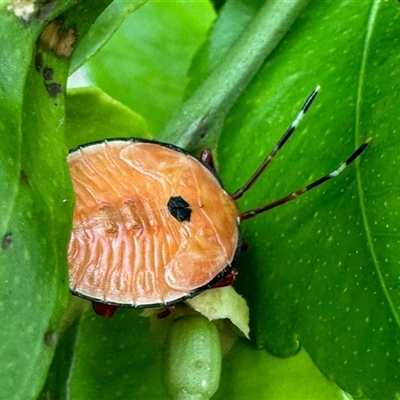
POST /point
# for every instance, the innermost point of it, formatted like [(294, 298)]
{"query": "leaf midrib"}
[(361, 84)]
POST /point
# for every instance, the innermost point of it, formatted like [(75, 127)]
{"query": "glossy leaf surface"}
[(36, 194), (102, 30), (323, 271), (91, 116), (144, 65)]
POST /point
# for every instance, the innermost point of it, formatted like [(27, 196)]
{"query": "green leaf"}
[(144, 65), (57, 383), (124, 355), (36, 194), (233, 20), (117, 359), (91, 115), (102, 30), (323, 271), (198, 122), (255, 374)]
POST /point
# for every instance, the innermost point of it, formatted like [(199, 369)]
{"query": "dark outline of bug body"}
[(206, 161), (142, 140), (212, 284), (216, 281)]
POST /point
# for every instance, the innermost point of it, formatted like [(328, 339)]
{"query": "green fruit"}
[(192, 359)]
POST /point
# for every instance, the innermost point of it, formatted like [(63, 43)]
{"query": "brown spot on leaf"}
[(7, 241), (58, 39), (53, 89), (48, 74)]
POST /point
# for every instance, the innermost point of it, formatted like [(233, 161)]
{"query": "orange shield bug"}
[(152, 224)]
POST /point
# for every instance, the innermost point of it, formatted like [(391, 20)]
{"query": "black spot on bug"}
[(179, 208), (53, 89), (7, 241), (50, 338), (48, 74)]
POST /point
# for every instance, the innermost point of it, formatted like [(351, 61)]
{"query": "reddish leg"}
[(164, 313), (228, 280), (104, 310), (207, 157)]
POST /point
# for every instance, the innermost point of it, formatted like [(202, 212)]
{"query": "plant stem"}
[(199, 120)]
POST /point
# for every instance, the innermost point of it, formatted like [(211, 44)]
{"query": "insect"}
[(152, 224)]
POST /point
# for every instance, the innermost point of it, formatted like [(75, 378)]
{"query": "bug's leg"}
[(164, 313), (228, 280), (239, 193), (207, 157), (297, 193), (104, 310)]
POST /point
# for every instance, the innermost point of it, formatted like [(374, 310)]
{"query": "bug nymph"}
[(152, 224)]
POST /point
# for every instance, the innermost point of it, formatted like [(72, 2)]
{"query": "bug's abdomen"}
[(127, 246)]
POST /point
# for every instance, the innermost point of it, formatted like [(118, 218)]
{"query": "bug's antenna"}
[(297, 193), (239, 193)]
